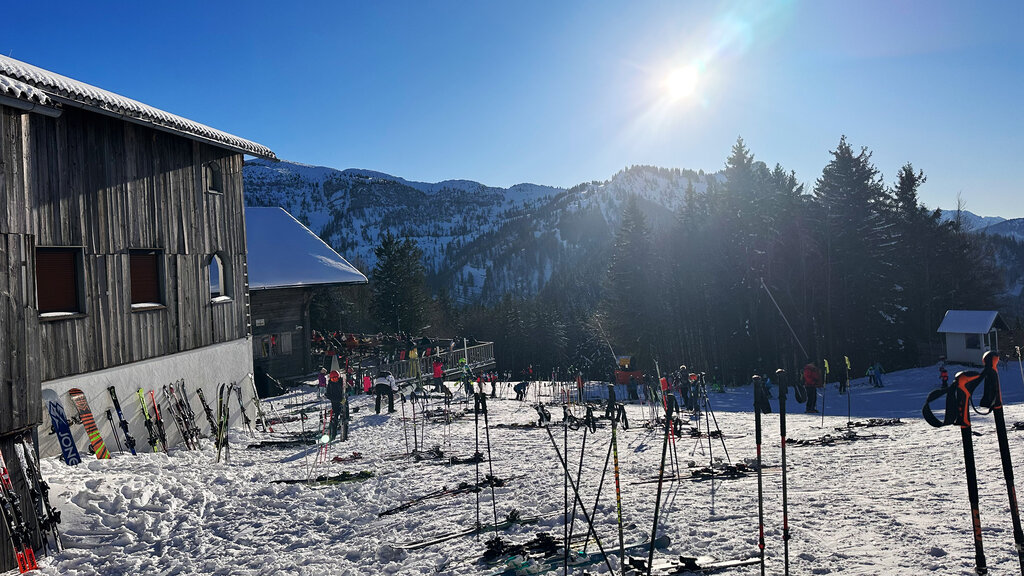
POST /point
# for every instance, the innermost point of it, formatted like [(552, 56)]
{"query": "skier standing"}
[(812, 381), (878, 374), (438, 374), (609, 411), (321, 381), (385, 384), (335, 392), (467, 377)]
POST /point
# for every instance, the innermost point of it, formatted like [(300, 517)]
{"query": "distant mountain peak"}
[(971, 220)]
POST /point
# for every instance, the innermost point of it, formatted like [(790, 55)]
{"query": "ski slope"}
[(893, 504)]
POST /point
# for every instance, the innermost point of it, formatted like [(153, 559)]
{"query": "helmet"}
[(462, 360)]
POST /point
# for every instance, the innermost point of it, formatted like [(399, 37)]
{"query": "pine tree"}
[(399, 285), (862, 299), (630, 287)]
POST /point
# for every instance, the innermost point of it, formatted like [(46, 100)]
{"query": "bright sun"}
[(682, 82)]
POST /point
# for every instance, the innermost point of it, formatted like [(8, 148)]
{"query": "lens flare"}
[(682, 82)]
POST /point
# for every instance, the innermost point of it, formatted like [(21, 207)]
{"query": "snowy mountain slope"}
[(971, 220), (1009, 228), (895, 504), (480, 242), (353, 209)]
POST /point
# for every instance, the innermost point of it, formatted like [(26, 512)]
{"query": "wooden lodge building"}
[(287, 262), (122, 254)]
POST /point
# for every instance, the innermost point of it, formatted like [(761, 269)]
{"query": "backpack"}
[(335, 389)]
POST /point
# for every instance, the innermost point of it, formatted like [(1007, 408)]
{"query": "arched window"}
[(214, 179), (220, 278)]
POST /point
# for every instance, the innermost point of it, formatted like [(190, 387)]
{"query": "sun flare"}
[(682, 82)]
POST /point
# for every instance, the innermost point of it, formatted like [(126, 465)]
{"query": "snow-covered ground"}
[(894, 504)]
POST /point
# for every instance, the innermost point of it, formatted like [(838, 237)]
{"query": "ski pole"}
[(113, 430), (849, 401), (600, 485), (565, 488), (824, 392), (780, 375), (476, 431), (972, 495), (490, 462), (760, 489), (993, 392), (579, 471), (405, 426), (592, 531), (1020, 364), (661, 481), (618, 489)]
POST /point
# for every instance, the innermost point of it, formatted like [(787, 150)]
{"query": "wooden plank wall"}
[(109, 186), (20, 397), (282, 310)]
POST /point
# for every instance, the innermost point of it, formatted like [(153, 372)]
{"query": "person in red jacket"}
[(812, 381), (438, 374)]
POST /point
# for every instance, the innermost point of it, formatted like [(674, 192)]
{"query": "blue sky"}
[(566, 92)]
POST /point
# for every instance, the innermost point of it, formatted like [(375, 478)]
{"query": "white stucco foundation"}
[(206, 367)]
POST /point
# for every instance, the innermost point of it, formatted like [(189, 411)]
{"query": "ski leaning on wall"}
[(17, 528), (85, 415), (158, 420), (154, 437), (209, 414), (47, 518), (129, 441)]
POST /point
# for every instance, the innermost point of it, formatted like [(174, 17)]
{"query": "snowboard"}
[(85, 414), (62, 428)]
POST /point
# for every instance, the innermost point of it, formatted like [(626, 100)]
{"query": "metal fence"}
[(478, 357)]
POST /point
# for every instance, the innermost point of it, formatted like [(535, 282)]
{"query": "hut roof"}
[(282, 253), (971, 322)]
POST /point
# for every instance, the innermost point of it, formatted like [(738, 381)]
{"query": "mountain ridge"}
[(481, 242)]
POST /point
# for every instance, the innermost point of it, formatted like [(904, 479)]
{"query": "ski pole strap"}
[(620, 416), (958, 399), (589, 421), (991, 398)]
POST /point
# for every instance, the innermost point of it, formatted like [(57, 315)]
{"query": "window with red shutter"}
[(146, 276), (57, 279)]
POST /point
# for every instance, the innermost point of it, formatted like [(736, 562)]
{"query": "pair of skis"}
[(181, 412), (17, 526), (224, 392), (154, 423), (47, 518)]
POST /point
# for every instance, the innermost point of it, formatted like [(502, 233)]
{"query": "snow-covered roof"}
[(971, 322), (21, 91), (283, 253), (64, 90)]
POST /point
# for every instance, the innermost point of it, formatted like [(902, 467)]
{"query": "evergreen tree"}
[(630, 295), (862, 299), (399, 285)]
